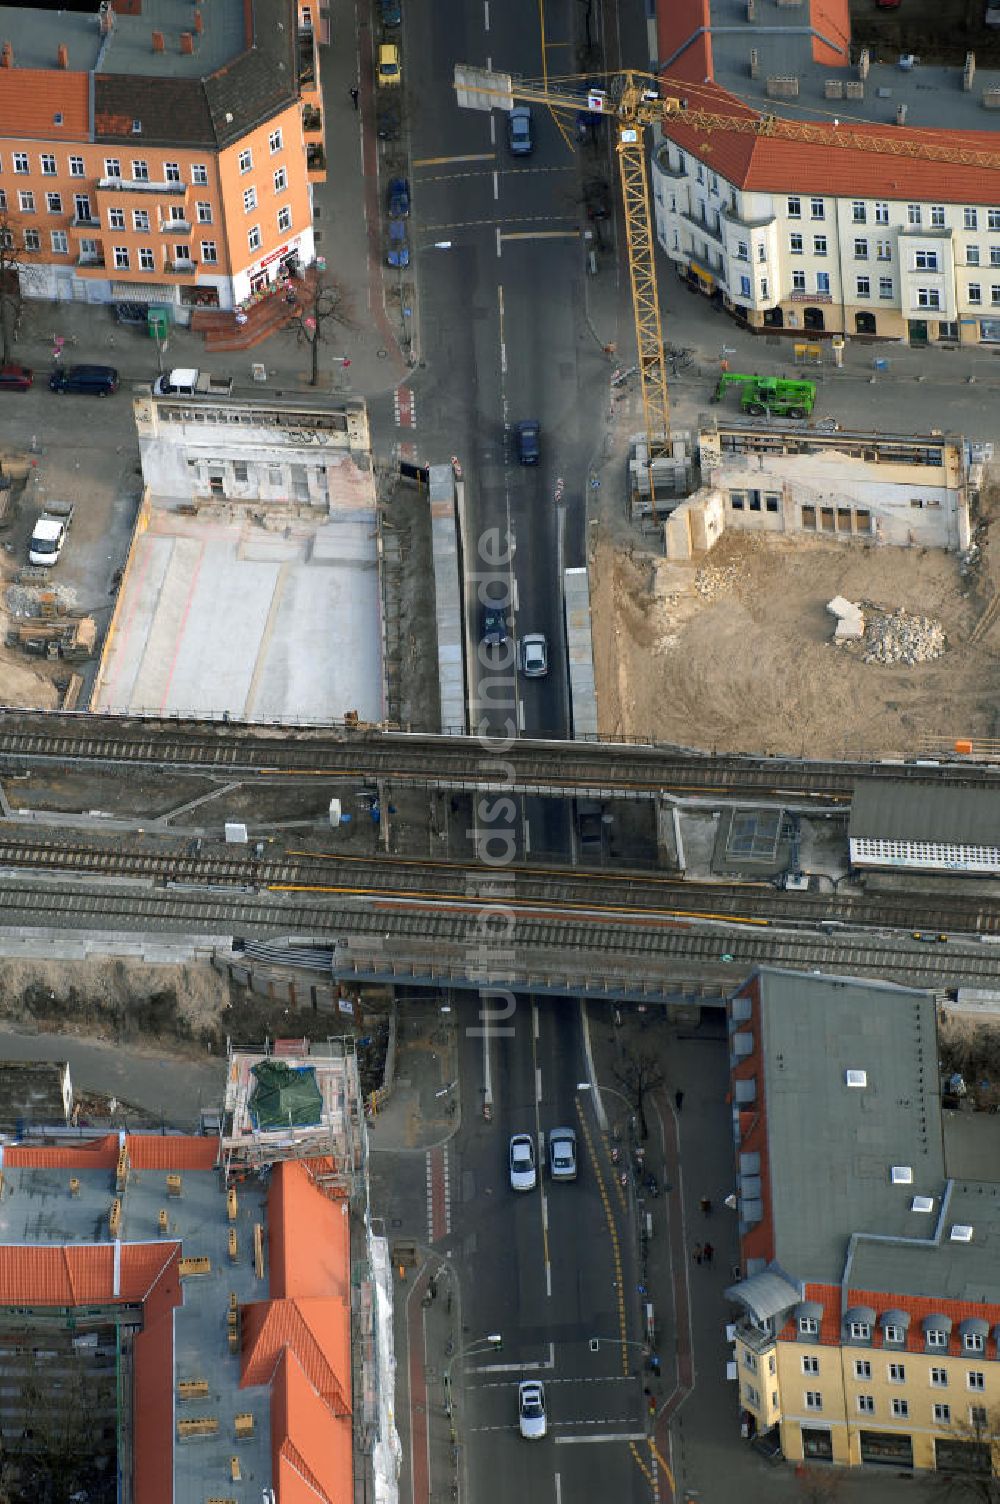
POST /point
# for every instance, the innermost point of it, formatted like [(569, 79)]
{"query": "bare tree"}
[(639, 1073), (15, 263), (321, 304), (968, 1464)]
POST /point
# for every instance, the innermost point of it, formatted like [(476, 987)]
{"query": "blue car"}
[(399, 251), (390, 12), (399, 198)]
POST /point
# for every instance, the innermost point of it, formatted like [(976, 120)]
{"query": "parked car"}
[(562, 1154), (399, 198), (534, 655), (527, 441), (96, 381), (391, 13), (494, 631), (387, 123), (399, 252), (520, 142), (389, 71), (531, 1409), (15, 378), (523, 1171)]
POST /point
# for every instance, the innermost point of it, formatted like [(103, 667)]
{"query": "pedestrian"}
[(354, 96), (706, 1205), (697, 1253), (708, 1253), (654, 1363), (678, 1099)]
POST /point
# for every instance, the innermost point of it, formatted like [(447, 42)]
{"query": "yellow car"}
[(389, 72)]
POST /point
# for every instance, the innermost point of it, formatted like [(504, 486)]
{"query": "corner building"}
[(163, 158), (869, 1325)]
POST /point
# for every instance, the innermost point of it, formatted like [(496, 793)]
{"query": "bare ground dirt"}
[(750, 665)]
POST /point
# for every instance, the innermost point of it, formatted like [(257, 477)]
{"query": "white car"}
[(562, 1154), (523, 1170), (534, 656), (531, 1409)]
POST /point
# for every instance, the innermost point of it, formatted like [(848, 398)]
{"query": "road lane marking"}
[(527, 839), (496, 184), (499, 237), (540, 235), (538, 1080), (493, 129), (486, 14), (520, 715), (475, 156), (608, 1378), (567, 1441), (558, 1489), (535, 1023), (541, 1363)]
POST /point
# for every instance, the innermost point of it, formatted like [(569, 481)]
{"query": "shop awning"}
[(702, 274), (141, 292)]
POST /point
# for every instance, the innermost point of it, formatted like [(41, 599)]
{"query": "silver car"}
[(534, 656), (523, 1172), (531, 1409), (562, 1154)]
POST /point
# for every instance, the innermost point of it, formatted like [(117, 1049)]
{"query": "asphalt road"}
[(539, 1268)]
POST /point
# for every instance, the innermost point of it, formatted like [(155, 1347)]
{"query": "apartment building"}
[(810, 238), (869, 1319), (162, 159)]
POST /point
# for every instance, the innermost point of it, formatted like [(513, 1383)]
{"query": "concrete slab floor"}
[(221, 615)]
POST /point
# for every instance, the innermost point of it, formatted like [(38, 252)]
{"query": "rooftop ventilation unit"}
[(857, 1078), (922, 1204), (961, 1233), (902, 1175)]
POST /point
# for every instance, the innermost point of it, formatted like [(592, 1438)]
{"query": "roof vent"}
[(229, 117), (137, 127), (902, 1175), (857, 1078), (961, 1232), (922, 1204)]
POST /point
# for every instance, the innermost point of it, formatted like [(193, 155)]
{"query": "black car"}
[(387, 123), (527, 441), (390, 13), (96, 381), (494, 631)]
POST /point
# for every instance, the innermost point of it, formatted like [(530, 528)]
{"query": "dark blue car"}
[(399, 198)]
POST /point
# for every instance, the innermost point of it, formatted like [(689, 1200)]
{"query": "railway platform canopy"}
[(922, 827)]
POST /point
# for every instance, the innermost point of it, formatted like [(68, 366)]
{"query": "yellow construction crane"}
[(634, 100)]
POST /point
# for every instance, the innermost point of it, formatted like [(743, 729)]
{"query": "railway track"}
[(630, 895), (529, 766)]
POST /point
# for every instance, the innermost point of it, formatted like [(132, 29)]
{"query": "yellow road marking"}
[(478, 156), (663, 1463)]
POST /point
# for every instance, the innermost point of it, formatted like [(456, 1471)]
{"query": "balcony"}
[(705, 224), (316, 163), (307, 61), (179, 268), (135, 185), (174, 227), (90, 261), (90, 223), (312, 121)]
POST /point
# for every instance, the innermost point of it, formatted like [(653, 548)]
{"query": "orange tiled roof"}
[(146, 1151), (771, 165), (30, 97), (152, 1151), (311, 1457), (97, 1154), (317, 1331), (76, 1274), (308, 1237)]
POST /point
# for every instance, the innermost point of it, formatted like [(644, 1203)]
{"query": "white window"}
[(864, 287), (995, 295), (32, 241), (140, 171), (147, 261), (975, 1378), (112, 167), (798, 280), (53, 202), (819, 245), (861, 250), (3, 198), (171, 172), (913, 214), (76, 167), (928, 297), (972, 255), (116, 219), (249, 200), (140, 220), (177, 215), (253, 238), (939, 1378), (900, 1408), (209, 251), (204, 212), (970, 218), (881, 213), (274, 141), (993, 219), (810, 1365), (814, 1400), (866, 1404), (121, 257), (245, 160), (942, 1414), (795, 208), (285, 220), (822, 281), (973, 1342), (897, 1373), (60, 242), (925, 261), (750, 1360), (977, 1417), (862, 1368), (182, 253), (808, 1326), (26, 202), (281, 180), (883, 250), (48, 164), (20, 161), (742, 251), (199, 172), (744, 287), (892, 1333), (937, 216), (817, 209), (858, 214), (860, 1331), (761, 252), (975, 296)]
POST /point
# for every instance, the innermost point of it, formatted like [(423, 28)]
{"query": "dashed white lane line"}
[(486, 14), (447, 1193), (565, 1441), (608, 1378), (430, 1198), (527, 839), (558, 1489)]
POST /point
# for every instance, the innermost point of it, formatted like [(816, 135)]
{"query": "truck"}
[(50, 533), (186, 381), (776, 396)]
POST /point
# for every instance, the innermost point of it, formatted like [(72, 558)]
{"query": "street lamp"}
[(492, 1342), (590, 1086)]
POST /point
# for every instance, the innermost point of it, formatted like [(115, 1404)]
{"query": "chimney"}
[(7, 56), (158, 41), (187, 42), (106, 17), (199, 24), (62, 56)]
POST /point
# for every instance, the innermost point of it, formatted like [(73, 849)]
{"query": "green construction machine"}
[(774, 396)]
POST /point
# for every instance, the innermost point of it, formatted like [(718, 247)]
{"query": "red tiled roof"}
[(308, 1237), (153, 1369), (684, 38), (80, 1273), (146, 1151), (317, 1331), (771, 165), (29, 100), (916, 1306), (311, 1456), (152, 1151), (97, 1154)]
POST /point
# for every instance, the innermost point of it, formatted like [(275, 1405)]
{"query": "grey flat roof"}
[(35, 35), (831, 1147), (886, 809)]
